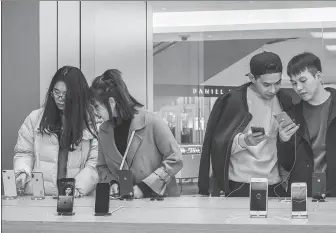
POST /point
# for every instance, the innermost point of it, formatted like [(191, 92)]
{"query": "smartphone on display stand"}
[(319, 186), (9, 184), (38, 186), (299, 200), (66, 197), (102, 202), (258, 197)]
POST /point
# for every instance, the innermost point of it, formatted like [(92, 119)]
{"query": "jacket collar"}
[(332, 109), (138, 122), (284, 99)]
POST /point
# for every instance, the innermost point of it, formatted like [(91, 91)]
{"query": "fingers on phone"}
[(257, 134), (293, 130), (292, 126)]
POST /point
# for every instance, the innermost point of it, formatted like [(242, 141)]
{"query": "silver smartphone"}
[(38, 184), (299, 199), (258, 197), (9, 183)]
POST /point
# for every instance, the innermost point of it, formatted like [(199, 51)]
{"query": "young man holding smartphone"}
[(315, 143), (238, 151)]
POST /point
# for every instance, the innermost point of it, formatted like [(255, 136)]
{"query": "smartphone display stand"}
[(9, 197), (300, 216), (320, 198), (35, 198), (258, 215), (66, 213), (103, 214)]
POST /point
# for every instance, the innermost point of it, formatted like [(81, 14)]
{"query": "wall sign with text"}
[(190, 90)]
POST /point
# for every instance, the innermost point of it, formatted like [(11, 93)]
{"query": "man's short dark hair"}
[(304, 61)]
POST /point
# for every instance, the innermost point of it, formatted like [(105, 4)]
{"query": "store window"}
[(202, 51)]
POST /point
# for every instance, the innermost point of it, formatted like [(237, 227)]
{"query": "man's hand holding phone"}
[(253, 137), (287, 132), (286, 126)]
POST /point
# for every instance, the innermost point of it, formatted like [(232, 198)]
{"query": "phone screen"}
[(258, 197), (299, 198), (66, 187), (257, 129), (102, 198)]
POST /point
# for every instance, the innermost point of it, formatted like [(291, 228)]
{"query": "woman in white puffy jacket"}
[(60, 139)]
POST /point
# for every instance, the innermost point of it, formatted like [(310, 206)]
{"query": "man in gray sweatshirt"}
[(237, 154)]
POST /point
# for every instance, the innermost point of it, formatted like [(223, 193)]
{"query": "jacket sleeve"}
[(105, 175), (286, 150), (87, 178), (203, 176), (172, 158), (236, 147), (23, 160)]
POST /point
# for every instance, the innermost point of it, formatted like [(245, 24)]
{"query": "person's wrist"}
[(242, 140)]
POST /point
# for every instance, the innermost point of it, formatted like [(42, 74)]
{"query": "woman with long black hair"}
[(60, 139)]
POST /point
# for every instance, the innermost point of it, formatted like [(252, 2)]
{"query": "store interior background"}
[(215, 54), (170, 52)]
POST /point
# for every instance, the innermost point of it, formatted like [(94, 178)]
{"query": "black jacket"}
[(229, 116), (304, 162)]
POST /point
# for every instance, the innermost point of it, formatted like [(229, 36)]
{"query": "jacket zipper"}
[(227, 152)]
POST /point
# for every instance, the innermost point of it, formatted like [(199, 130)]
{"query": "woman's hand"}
[(137, 192), (21, 181), (114, 190), (78, 194)]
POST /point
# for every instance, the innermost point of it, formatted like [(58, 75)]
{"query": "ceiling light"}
[(331, 47), (324, 35)]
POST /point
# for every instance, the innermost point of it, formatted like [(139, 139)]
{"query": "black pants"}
[(243, 190)]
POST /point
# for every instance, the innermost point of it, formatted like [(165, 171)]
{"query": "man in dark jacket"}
[(237, 154), (315, 142)]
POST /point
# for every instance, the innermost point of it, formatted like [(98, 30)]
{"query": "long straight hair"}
[(78, 112), (111, 84)]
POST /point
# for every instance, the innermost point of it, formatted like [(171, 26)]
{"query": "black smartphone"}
[(319, 185), (66, 190), (65, 205), (257, 129), (125, 184), (102, 203)]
